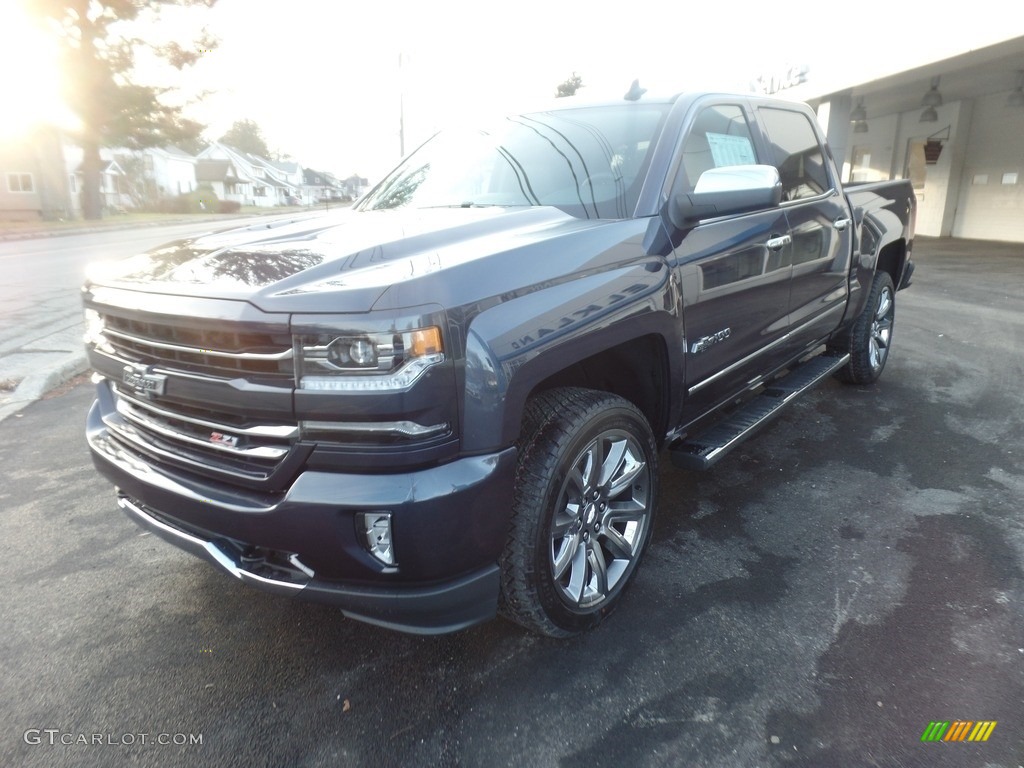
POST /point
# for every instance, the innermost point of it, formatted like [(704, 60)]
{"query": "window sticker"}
[(731, 150)]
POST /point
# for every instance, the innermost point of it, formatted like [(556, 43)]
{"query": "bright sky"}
[(322, 78)]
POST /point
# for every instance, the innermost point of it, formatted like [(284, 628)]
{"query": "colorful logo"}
[(958, 730)]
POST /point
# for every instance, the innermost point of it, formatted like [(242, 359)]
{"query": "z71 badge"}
[(219, 438), (143, 381)]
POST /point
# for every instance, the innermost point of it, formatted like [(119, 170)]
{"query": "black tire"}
[(871, 336), (583, 510)]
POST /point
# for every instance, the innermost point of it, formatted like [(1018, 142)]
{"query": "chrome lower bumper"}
[(430, 610), (224, 555)]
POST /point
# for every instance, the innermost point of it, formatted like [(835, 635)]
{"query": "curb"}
[(38, 384)]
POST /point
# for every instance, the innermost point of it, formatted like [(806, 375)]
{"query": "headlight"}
[(94, 332), (372, 362)]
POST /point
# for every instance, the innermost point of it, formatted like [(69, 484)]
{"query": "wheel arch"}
[(636, 370), (630, 359), (892, 258)]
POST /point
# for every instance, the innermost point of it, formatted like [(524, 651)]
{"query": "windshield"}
[(590, 162)]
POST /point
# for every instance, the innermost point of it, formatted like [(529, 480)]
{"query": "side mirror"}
[(727, 190)]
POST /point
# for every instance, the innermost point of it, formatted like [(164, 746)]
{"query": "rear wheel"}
[(583, 510), (871, 335)]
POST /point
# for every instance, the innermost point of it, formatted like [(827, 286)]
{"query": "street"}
[(850, 575), (41, 322), (42, 276)]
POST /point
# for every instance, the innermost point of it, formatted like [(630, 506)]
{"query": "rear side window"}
[(718, 137), (796, 153)]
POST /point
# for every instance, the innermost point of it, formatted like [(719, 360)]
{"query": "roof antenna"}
[(635, 92)]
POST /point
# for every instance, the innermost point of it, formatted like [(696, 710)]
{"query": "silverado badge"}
[(709, 341), (141, 380)]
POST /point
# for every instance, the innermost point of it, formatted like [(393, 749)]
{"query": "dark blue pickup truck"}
[(450, 401)]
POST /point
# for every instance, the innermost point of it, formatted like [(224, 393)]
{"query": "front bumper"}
[(442, 608), (449, 526)]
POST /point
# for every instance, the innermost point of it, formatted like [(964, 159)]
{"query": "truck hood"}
[(353, 253)]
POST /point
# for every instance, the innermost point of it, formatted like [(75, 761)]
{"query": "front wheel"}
[(583, 510), (871, 336)]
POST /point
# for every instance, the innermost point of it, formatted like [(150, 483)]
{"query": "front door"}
[(734, 272)]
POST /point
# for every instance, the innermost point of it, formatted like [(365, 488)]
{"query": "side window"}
[(718, 137), (796, 153)]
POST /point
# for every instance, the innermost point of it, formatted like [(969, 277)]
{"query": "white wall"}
[(993, 210), (936, 206), (179, 175), (878, 142)]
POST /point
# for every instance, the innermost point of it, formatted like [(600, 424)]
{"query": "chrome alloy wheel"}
[(881, 329), (601, 520)]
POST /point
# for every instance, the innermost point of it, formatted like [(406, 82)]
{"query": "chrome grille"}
[(200, 442), (226, 351)]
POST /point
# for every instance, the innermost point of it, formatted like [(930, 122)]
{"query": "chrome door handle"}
[(777, 243), (842, 224)]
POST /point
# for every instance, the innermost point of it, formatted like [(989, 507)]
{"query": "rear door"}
[(734, 271), (820, 224)]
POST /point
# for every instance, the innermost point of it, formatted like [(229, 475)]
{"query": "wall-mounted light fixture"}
[(859, 118), (931, 100), (1016, 99), (933, 145)]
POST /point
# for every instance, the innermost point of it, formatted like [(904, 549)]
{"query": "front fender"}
[(514, 346)]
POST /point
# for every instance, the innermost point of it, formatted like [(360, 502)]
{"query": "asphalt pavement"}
[(848, 577)]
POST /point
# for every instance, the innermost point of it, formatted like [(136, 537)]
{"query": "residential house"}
[(156, 173), (315, 186), (114, 194), (172, 170), (293, 175), (260, 182), (41, 178), (355, 186), (320, 186), (224, 179), (279, 180), (33, 182)]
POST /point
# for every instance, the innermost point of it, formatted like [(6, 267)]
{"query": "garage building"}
[(954, 125)]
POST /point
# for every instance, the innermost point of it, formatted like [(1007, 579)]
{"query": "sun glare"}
[(29, 77)]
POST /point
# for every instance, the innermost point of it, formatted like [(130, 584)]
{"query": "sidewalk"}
[(40, 366)]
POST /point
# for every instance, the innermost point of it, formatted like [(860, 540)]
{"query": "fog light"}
[(375, 528)]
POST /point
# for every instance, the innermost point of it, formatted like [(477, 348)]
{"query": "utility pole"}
[(401, 108)]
